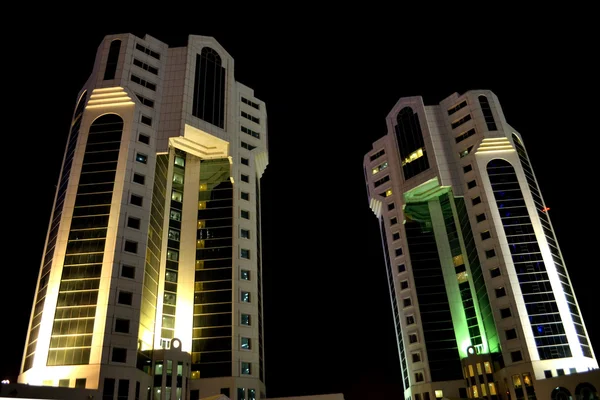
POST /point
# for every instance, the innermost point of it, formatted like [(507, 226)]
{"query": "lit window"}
[(171, 276), (180, 161), (175, 215), (462, 277), (475, 391), (527, 379), (483, 391), (465, 152), (173, 234), (388, 193), (413, 156), (245, 275), (245, 253), (172, 255), (178, 178), (458, 260), (471, 371), (177, 196), (380, 168), (170, 299), (479, 369), (439, 394), (245, 343), (492, 388), (516, 381), (246, 370), (488, 367), (245, 297), (245, 319), (141, 158)]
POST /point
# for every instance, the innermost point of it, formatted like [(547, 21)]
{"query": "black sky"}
[(328, 85)]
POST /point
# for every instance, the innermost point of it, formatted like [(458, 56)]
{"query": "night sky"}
[(328, 88)]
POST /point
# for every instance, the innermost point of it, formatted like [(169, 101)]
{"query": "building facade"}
[(150, 283), (482, 302)]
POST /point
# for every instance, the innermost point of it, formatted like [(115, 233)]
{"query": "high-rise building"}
[(482, 302), (150, 283)]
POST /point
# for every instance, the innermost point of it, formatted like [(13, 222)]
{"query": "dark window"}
[(245, 178), (465, 152), (131, 246), (123, 393), (245, 196), (465, 135), (401, 268), (246, 368), (250, 131), (411, 143), (108, 392), (407, 302), (480, 217), (122, 325), (381, 181), (245, 233), (490, 253), (63, 382), (245, 214), (245, 275), (146, 120), (209, 88), (145, 66), (396, 235), (248, 146), (125, 298), (245, 161), (112, 60), (119, 355), (403, 285), (516, 356), (246, 343), (485, 235), (487, 113), (393, 221), (548, 373), (457, 107), (245, 253), (416, 357), (412, 338), (144, 138), (136, 200), (245, 319), (143, 82), (500, 292), (250, 117), (494, 272), (410, 320), (505, 313), (133, 223), (139, 178), (80, 383), (471, 184), (377, 155), (141, 158), (419, 376), (127, 271), (461, 121), (560, 372), (476, 200), (467, 168), (147, 51), (145, 101), (398, 251), (250, 103), (391, 206), (511, 334), (226, 392)]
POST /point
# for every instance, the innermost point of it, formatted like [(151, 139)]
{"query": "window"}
[(250, 132), (494, 272), (180, 161), (143, 82), (245, 319), (410, 320), (393, 221), (245, 178), (485, 235), (176, 196), (170, 299), (381, 181), (380, 167), (250, 117), (490, 253), (245, 253), (147, 51), (245, 233), (451, 111), (144, 138), (396, 236), (125, 298), (471, 184), (80, 383), (172, 255), (241, 394), (175, 215), (461, 121), (465, 135), (416, 357), (146, 120), (131, 247), (559, 371), (145, 101), (439, 394), (246, 368), (403, 285), (391, 206), (119, 355), (245, 161), (488, 367), (548, 373), (401, 268), (145, 66), (63, 383), (476, 200), (572, 371), (467, 168), (173, 234), (122, 325), (141, 158), (419, 376), (245, 275), (112, 60), (245, 214), (511, 334), (480, 217), (516, 356), (465, 152), (399, 252), (245, 343), (412, 338), (248, 146), (252, 394), (127, 271), (487, 113), (250, 103), (178, 178), (407, 302), (138, 178), (133, 223), (136, 200), (224, 391), (171, 276), (375, 156), (245, 196), (500, 292), (245, 297), (505, 313)]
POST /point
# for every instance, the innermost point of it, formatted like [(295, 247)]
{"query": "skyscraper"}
[(150, 283), (482, 302)]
